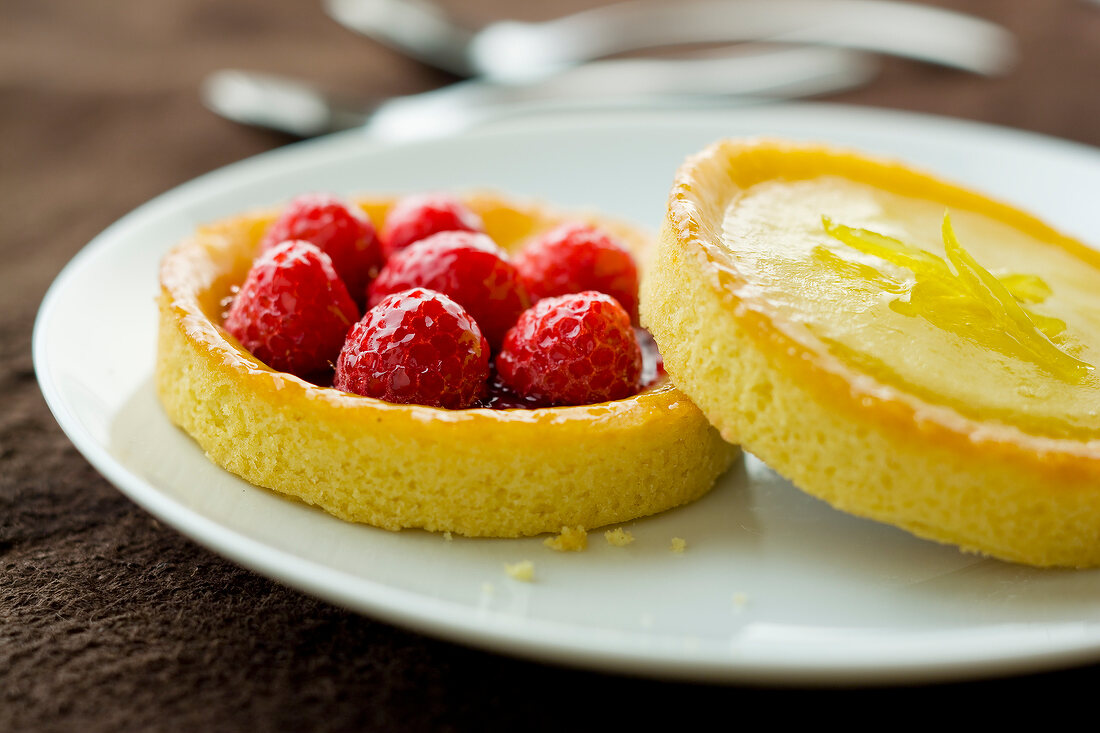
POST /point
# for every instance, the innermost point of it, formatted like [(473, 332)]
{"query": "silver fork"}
[(511, 50)]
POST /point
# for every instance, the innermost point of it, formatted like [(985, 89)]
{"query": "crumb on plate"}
[(571, 539), (618, 537), (678, 545), (523, 571)]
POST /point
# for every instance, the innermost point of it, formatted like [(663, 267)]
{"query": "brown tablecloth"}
[(111, 621)]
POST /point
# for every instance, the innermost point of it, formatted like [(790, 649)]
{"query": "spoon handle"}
[(420, 29), (905, 29), (305, 111)]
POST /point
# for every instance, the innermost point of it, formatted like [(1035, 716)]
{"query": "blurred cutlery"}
[(513, 50), (303, 110)]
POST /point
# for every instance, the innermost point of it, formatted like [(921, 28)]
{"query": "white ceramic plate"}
[(774, 587)]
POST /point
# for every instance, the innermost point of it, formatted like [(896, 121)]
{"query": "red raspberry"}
[(465, 266), (415, 217), (293, 311), (575, 257), (416, 347), (339, 228), (572, 350)]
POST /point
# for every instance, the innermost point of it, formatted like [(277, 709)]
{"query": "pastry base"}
[(862, 447), (499, 473)]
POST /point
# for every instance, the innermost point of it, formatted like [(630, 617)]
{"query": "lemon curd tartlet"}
[(901, 347), (477, 472)]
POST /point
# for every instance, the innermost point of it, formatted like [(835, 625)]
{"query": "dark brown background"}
[(109, 620)]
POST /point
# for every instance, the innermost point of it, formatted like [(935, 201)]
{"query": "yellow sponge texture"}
[(503, 473), (835, 430)]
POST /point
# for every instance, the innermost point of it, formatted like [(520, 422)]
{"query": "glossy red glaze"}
[(419, 216), (416, 347), (293, 311), (467, 267), (575, 257), (572, 350), (339, 228)]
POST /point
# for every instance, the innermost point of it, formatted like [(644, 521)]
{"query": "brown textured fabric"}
[(110, 621)]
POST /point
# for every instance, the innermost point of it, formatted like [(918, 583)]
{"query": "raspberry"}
[(415, 217), (293, 311), (339, 228), (416, 347), (575, 257), (465, 266), (572, 350)]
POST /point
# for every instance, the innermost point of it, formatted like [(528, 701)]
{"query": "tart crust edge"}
[(942, 477), (476, 472)]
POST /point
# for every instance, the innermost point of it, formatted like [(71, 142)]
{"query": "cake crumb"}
[(448, 537), (740, 600), (679, 544), (618, 537), (571, 539), (523, 571)]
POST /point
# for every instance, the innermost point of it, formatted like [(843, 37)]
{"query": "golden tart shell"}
[(864, 445), (479, 472)]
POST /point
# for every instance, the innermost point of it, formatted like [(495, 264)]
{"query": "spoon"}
[(303, 110), (514, 50)]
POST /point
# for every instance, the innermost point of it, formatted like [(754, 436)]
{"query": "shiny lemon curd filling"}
[(960, 309)]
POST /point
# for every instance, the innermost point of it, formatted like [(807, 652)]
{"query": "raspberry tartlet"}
[(905, 349), (476, 472)]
